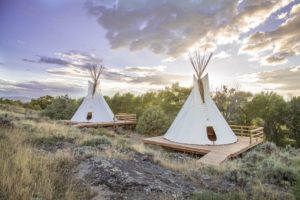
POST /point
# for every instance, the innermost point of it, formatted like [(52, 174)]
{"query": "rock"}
[(53, 147), (139, 176), (205, 177)]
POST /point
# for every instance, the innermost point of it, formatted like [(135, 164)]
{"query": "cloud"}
[(48, 60), (222, 55), (78, 58), (73, 58), (155, 75), (278, 44), (285, 81), (252, 13), (159, 79), (173, 27), (295, 10), (74, 65), (282, 15), (37, 88), (145, 70)]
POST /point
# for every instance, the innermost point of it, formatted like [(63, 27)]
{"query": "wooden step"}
[(213, 158)]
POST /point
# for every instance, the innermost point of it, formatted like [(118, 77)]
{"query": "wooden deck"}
[(120, 119), (113, 124), (213, 154)]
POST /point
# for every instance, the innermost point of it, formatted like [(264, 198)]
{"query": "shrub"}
[(61, 108), (277, 173), (5, 121), (122, 144), (96, 131), (253, 157), (267, 148), (207, 195), (152, 122), (51, 140), (238, 176), (211, 195), (97, 140)]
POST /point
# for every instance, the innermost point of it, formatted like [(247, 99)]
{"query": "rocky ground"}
[(138, 177), (135, 177)]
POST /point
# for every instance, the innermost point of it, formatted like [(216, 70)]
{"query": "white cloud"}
[(282, 15), (173, 27), (276, 45), (222, 55), (284, 81)]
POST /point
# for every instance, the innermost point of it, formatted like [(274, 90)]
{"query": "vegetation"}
[(38, 158), (152, 122), (61, 108), (280, 118), (26, 173), (257, 172), (97, 140)]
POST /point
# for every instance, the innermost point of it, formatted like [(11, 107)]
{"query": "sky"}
[(46, 45)]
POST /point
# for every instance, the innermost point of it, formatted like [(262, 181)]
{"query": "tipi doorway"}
[(89, 116), (211, 133)]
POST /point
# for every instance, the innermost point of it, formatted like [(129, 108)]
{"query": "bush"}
[(96, 131), (49, 140), (278, 173), (253, 157), (240, 177), (211, 195), (5, 121), (207, 195), (152, 122), (98, 140), (267, 148), (61, 108), (122, 144)]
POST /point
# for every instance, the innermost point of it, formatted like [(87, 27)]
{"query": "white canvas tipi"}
[(94, 107), (199, 121)]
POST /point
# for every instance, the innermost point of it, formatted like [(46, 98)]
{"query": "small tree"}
[(61, 107), (292, 119), (153, 122), (270, 108)]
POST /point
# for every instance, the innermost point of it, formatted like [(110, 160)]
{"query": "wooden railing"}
[(125, 117), (253, 132)]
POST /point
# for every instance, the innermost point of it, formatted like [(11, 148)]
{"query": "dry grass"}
[(24, 172), (27, 172), (159, 157)]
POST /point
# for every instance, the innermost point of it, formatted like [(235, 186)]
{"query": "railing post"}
[(242, 131), (250, 137)]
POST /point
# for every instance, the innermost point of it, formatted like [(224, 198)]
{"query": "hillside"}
[(45, 159)]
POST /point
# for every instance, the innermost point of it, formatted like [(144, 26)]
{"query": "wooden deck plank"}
[(213, 154), (103, 124)]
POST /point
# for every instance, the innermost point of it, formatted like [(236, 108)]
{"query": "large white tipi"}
[(94, 107), (199, 121)]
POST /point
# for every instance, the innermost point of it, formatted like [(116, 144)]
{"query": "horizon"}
[(47, 45)]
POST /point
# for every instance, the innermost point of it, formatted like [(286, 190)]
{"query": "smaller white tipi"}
[(199, 121), (94, 107)]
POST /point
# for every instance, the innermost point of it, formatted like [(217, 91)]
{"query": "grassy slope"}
[(26, 171)]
